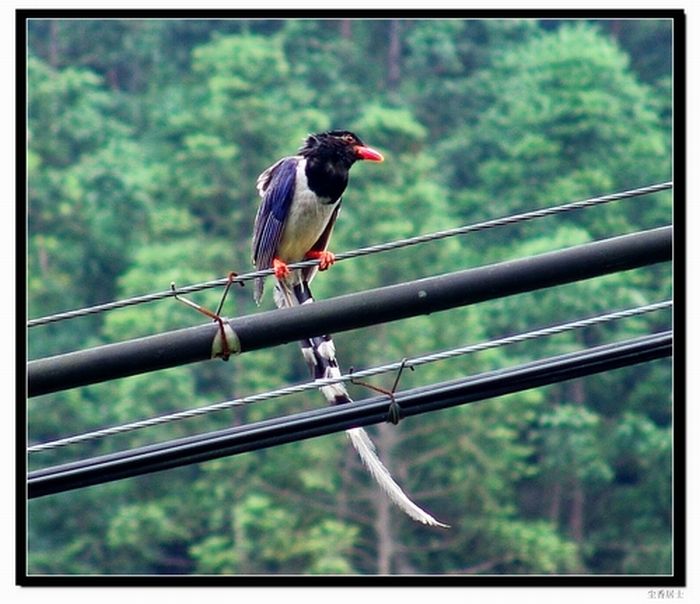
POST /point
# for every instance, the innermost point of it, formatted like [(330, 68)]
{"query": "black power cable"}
[(277, 431), (352, 311), (411, 363)]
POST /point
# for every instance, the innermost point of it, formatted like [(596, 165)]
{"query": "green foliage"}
[(571, 445), (136, 525), (88, 192), (563, 116), (531, 547), (145, 139), (265, 535)]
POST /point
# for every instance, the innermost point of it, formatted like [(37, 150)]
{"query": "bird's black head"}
[(339, 147)]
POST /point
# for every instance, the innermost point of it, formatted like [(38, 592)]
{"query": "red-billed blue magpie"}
[(301, 198)]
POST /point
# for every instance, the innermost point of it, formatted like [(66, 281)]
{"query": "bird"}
[(301, 196)]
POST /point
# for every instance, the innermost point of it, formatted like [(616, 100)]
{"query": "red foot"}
[(281, 270), (327, 259)]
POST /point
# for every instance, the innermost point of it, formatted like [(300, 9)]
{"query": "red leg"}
[(281, 270), (326, 258)]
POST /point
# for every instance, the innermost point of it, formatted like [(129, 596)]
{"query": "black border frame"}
[(679, 576)]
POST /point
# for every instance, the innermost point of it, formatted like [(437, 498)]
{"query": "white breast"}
[(306, 220)]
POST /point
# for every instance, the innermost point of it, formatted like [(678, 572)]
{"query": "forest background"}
[(145, 139)]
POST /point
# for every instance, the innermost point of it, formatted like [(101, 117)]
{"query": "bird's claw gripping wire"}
[(395, 413), (281, 269), (225, 351), (326, 259)]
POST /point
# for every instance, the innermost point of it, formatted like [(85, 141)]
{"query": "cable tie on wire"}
[(395, 412), (225, 341)]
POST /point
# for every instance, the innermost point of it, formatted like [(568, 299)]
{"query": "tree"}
[(145, 141), (566, 119), (563, 118), (88, 193)]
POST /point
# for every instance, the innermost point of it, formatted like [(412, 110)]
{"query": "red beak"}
[(368, 154)]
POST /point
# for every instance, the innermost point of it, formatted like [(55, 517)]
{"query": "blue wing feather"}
[(277, 189)]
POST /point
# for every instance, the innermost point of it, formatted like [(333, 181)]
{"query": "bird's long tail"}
[(319, 353)]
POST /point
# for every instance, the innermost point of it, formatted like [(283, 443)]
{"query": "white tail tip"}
[(365, 448)]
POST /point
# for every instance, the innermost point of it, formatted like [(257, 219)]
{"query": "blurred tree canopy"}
[(145, 138)]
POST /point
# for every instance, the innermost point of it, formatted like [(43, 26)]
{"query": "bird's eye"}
[(348, 138)]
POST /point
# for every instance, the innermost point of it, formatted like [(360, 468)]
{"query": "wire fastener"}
[(395, 413), (226, 341)]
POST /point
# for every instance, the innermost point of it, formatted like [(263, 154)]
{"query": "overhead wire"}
[(349, 377), (382, 247), (330, 419), (350, 311)]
